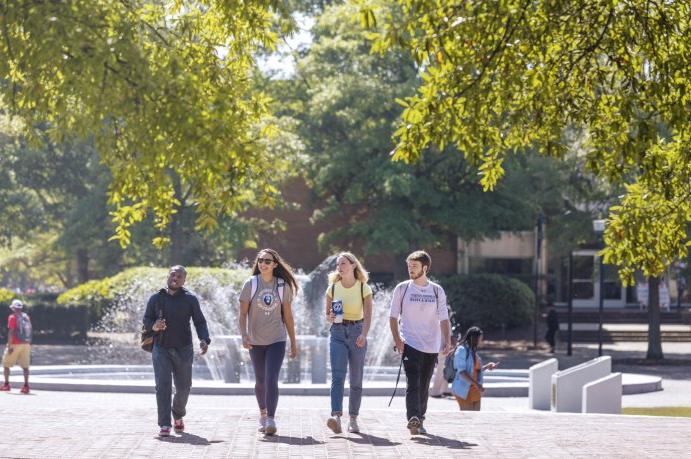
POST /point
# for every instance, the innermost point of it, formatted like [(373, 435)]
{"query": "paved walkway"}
[(70, 425)]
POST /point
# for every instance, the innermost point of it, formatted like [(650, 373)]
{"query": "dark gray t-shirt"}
[(265, 321)]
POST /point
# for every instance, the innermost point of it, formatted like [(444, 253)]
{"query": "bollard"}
[(540, 384), (567, 385)]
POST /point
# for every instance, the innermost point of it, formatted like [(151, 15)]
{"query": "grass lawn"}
[(681, 411)]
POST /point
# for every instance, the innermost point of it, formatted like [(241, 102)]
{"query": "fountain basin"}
[(140, 379)]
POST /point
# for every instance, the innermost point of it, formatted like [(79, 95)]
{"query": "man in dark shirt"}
[(552, 328), (168, 314)]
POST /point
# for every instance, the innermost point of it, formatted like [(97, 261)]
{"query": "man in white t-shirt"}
[(420, 306)]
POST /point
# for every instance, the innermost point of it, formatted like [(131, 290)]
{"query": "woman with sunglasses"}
[(265, 316), (349, 310)]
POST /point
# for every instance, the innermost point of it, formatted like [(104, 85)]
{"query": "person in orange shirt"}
[(467, 385)]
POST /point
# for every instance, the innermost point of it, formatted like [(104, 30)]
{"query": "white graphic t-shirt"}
[(265, 321), (422, 312)]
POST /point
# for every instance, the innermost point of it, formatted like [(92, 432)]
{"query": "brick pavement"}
[(71, 425)]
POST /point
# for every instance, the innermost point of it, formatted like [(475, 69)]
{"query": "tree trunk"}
[(654, 334), (82, 265), (176, 249)]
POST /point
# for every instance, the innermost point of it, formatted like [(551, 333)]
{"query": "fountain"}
[(226, 360), (120, 365)]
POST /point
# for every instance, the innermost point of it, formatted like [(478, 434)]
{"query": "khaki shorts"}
[(21, 355)]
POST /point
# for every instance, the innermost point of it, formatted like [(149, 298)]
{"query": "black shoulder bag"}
[(148, 337)]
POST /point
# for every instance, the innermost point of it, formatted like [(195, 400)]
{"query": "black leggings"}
[(267, 361)]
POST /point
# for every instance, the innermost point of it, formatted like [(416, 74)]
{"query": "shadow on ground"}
[(189, 439)]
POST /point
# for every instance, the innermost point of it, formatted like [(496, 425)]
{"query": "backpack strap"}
[(407, 284), (254, 286), (362, 294), (280, 286)]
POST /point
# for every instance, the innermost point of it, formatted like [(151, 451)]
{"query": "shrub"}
[(490, 301), (100, 295), (6, 296)]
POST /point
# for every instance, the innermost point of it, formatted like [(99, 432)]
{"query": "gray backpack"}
[(24, 331)]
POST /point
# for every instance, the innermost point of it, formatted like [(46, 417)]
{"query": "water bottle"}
[(337, 308)]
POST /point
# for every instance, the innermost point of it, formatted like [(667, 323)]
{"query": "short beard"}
[(422, 273)]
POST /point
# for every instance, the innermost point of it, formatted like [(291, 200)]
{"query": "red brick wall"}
[(298, 244)]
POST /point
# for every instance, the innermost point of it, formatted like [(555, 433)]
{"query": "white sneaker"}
[(262, 423), (352, 425), (270, 426), (334, 423)]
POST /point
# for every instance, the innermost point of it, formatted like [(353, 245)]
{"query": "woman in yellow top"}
[(349, 310)]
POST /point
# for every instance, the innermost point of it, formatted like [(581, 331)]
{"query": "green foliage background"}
[(490, 301)]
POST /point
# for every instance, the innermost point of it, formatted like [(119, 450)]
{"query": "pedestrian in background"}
[(468, 385), (18, 349)]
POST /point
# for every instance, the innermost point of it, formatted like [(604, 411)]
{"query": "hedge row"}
[(52, 323), (490, 301), (100, 295)]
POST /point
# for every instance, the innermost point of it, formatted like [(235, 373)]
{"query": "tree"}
[(509, 75), (65, 187), (342, 100), (163, 89), (56, 217)]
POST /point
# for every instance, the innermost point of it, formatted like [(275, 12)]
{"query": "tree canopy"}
[(342, 103), (163, 90), (506, 76)]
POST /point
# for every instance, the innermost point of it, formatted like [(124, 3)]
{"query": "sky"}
[(281, 64)]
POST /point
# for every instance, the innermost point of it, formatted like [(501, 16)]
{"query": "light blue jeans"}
[(344, 354)]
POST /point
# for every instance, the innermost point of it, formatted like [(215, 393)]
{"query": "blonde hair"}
[(359, 271)]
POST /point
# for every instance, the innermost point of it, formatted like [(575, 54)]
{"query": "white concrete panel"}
[(603, 395), (540, 384), (567, 385)]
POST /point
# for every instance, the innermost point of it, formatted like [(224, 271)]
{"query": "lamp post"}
[(539, 236), (599, 228), (569, 348)]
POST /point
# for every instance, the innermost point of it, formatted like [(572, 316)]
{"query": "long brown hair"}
[(282, 270)]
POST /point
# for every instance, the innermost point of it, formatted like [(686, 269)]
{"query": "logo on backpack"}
[(24, 330)]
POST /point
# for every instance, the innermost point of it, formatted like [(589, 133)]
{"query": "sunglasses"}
[(266, 261)]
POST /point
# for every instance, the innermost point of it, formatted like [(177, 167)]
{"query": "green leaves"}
[(510, 76), (161, 88)]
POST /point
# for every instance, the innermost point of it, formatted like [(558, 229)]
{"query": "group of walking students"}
[(419, 322)]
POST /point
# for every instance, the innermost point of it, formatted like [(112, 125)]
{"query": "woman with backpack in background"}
[(265, 317), (349, 310), (467, 386)]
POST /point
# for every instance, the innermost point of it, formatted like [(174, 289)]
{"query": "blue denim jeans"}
[(345, 354), (172, 364)]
